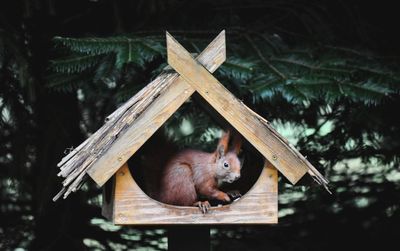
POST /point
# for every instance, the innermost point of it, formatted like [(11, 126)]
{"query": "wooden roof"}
[(133, 123)]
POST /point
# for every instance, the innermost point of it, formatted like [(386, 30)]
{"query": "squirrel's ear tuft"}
[(220, 151), (224, 140), (237, 143), (222, 147), (241, 160)]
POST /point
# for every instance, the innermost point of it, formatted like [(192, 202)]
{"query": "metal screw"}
[(120, 159), (274, 157)]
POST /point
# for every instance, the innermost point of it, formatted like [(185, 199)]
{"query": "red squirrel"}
[(191, 173)]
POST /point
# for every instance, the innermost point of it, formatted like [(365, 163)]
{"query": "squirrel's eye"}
[(226, 165)]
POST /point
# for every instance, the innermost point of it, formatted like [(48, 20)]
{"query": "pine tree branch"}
[(311, 67), (265, 60)]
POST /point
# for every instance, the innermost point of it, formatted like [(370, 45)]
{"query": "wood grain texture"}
[(74, 165), (154, 116), (258, 206), (260, 136), (140, 131)]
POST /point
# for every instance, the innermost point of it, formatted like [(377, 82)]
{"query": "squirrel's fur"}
[(191, 173)]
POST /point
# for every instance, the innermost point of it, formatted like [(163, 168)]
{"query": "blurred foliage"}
[(315, 69)]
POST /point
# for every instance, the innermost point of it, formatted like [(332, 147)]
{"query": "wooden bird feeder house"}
[(104, 155)]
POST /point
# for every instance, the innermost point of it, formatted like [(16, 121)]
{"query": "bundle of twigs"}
[(312, 171), (73, 166)]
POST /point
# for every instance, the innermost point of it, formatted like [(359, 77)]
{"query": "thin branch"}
[(311, 67), (264, 59)]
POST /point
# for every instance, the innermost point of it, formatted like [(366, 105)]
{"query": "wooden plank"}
[(224, 102), (140, 131), (154, 116), (107, 208), (258, 206)]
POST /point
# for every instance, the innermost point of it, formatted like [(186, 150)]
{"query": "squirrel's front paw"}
[(226, 198), (204, 206)]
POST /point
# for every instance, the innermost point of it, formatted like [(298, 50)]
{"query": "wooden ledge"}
[(131, 206)]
